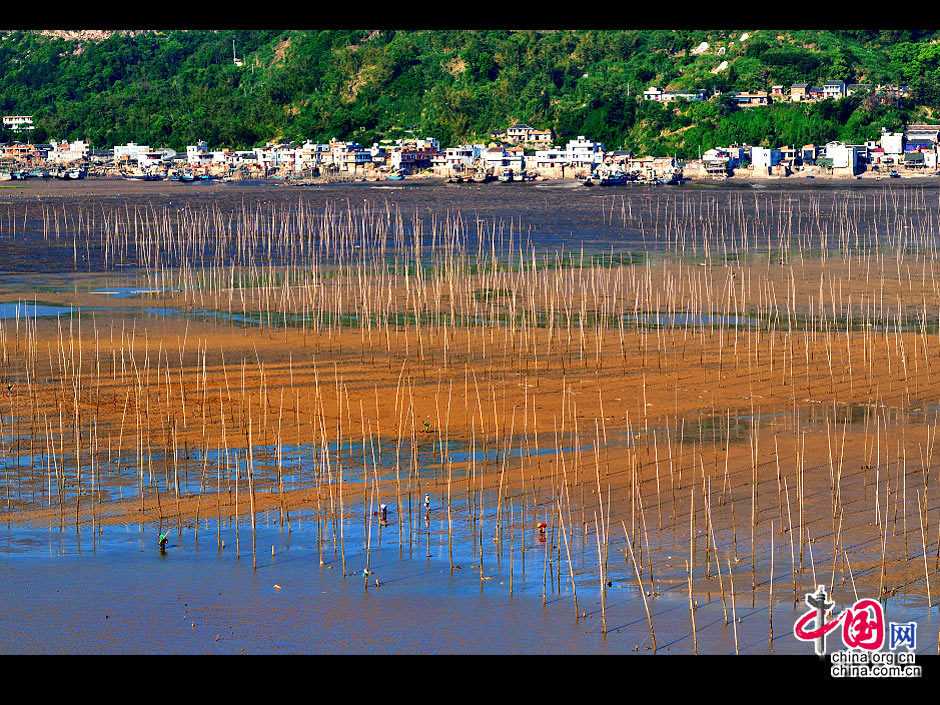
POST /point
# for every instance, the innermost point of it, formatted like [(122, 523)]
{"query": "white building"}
[(843, 156), (524, 134), (65, 152), (583, 152), (276, 156), (765, 158), (660, 96), (555, 158), (734, 154), (834, 89), (892, 142), (18, 123), (196, 153), (461, 157), (310, 155), (426, 143), (130, 151), (501, 160)]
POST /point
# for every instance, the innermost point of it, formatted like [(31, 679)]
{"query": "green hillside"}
[(172, 88)]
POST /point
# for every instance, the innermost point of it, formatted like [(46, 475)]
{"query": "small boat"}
[(187, 178), (396, 176), (587, 182), (39, 174), (894, 175), (6, 176), (614, 179), (205, 178), (74, 174), (506, 177), (481, 177)]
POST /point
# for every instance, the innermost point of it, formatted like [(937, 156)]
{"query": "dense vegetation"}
[(172, 88)]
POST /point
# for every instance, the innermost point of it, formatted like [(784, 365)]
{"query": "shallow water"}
[(68, 593)]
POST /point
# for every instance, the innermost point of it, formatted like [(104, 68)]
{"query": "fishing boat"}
[(73, 174), (675, 179), (617, 178)]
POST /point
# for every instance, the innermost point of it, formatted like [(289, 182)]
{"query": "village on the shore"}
[(519, 153)]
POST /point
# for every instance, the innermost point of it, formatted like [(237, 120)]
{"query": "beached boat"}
[(69, 174), (617, 178)]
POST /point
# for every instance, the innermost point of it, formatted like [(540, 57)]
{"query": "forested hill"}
[(170, 88)]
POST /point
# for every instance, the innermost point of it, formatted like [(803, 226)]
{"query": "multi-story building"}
[(583, 152), (458, 159), (66, 152), (523, 134), (499, 160), (834, 89), (763, 158), (131, 152), (18, 123), (660, 96), (196, 153)]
